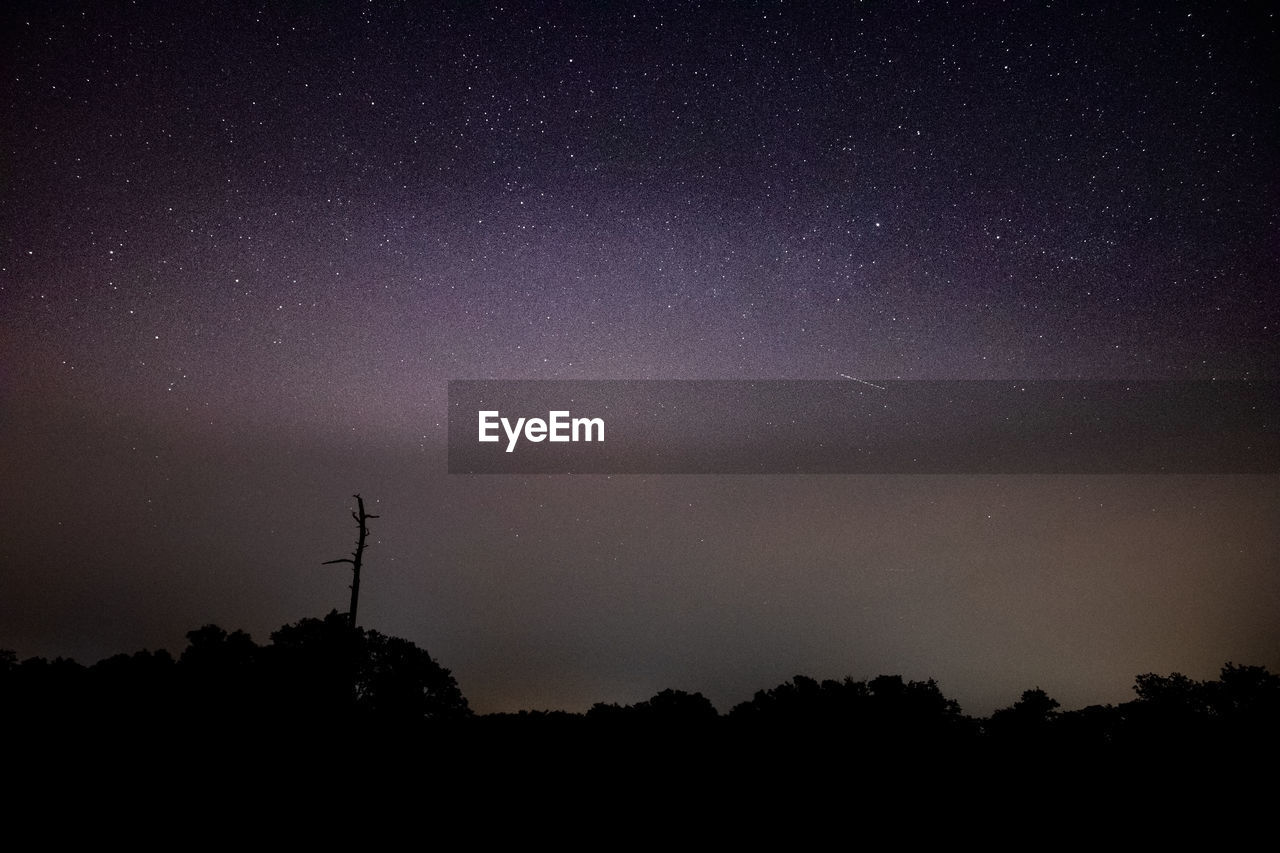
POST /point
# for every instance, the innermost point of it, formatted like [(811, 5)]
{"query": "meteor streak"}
[(863, 381)]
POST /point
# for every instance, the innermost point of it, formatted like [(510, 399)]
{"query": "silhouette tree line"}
[(312, 674), (324, 707), (320, 672)]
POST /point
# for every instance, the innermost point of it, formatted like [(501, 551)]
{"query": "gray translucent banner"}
[(855, 427)]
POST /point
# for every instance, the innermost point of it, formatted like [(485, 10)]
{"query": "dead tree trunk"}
[(357, 555)]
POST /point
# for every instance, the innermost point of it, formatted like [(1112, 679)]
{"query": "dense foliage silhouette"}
[(313, 673), (320, 689)]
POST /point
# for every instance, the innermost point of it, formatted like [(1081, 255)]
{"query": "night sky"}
[(243, 250)]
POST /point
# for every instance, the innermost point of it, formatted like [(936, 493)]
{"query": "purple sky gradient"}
[(243, 253)]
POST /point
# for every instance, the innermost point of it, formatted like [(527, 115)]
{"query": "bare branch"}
[(361, 518)]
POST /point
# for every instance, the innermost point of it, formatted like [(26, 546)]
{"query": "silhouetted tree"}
[(1173, 693), (1247, 693), (397, 680), (666, 708), (212, 647), (884, 717), (682, 707), (311, 666), (362, 519), (133, 691), (326, 668), (48, 692), (222, 675), (1030, 718), (1036, 705)]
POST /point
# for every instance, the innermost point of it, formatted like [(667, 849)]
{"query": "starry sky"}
[(244, 247)]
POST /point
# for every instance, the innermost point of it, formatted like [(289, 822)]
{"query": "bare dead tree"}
[(357, 555)]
